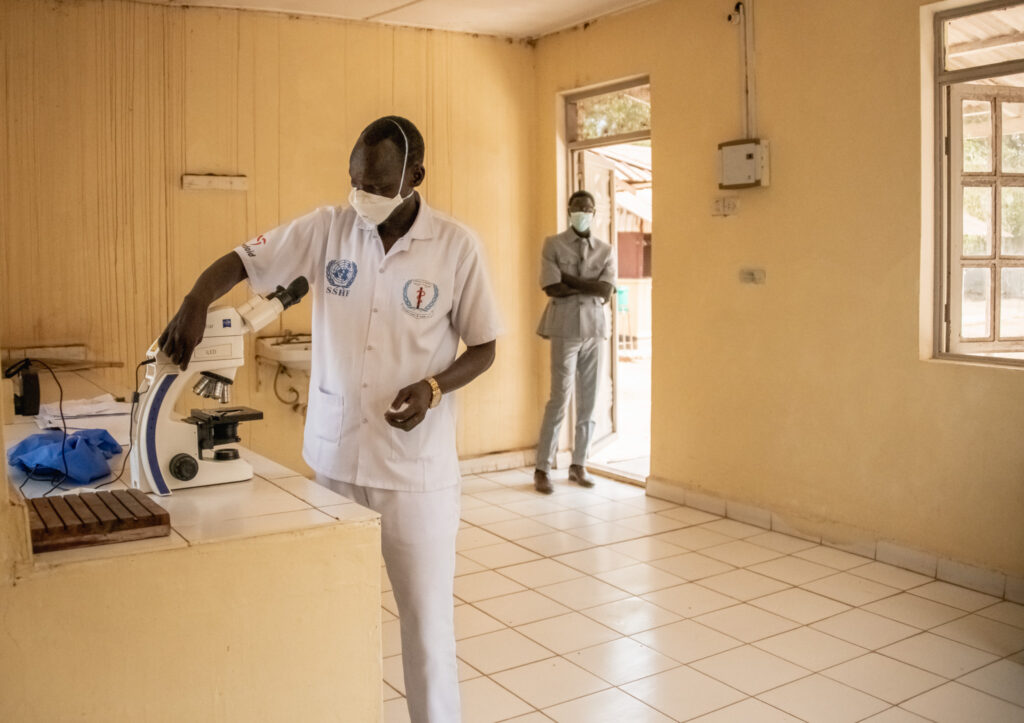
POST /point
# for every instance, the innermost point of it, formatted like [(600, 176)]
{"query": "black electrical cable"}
[(55, 482), (131, 425)]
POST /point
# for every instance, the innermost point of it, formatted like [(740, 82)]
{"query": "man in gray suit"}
[(578, 275)]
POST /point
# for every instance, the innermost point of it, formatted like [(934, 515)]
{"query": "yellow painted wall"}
[(108, 103), (806, 395), (233, 631)]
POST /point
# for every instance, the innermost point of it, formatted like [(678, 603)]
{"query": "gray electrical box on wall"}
[(743, 163)]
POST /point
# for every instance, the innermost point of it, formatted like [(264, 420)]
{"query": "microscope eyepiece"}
[(291, 296)]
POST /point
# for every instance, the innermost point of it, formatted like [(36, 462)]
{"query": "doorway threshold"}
[(617, 474)]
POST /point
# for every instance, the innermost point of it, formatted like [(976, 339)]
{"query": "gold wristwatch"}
[(435, 392)]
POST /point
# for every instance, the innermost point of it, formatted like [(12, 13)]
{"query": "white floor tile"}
[(743, 584), (913, 610), (686, 641), (750, 710), (640, 578), (850, 589), (645, 549), (596, 559), (1005, 612), (689, 515), (820, 700), (396, 711), (567, 519), (484, 701), (500, 650), (608, 706), (741, 553), (810, 648), (797, 604), (733, 528), (540, 572), (1003, 679), (683, 693), (695, 538), (786, 544), (746, 622), (568, 633), (956, 596), (488, 514), (891, 575), (956, 703), (794, 570), (832, 557), (470, 621), (943, 656), (885, 678), (650, 524), (631, 615), (521, 607), (692, 566), (482, 585), (549, 682), (582, 592), (750, 669), (463, 566), (606, 533), (500, 555), (865, 629), (690, 600), (622, 661), (896, 715), (984, 633), (516, 529), (554, 543), (471, 537)]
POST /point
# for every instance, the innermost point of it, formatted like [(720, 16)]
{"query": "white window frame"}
[(948, 88), (995, 179)]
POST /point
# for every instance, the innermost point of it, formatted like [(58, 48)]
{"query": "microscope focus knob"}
[(184, 466)]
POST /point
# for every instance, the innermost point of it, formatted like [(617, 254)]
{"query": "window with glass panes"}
[(979, 74)]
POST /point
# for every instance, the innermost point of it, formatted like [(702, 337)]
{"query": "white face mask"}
[(376, 209), (581, 220)]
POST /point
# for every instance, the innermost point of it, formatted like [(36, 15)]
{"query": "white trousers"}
[(572, 360), (418, 544)]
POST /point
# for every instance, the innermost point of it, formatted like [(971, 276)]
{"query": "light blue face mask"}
[(581, 220)]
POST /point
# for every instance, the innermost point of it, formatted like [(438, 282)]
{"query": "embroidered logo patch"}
[(419, 297), (340, 275)]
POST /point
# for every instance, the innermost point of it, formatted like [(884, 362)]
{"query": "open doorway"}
[(608, 130)]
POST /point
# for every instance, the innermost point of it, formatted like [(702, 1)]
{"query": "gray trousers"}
[(571, 359)]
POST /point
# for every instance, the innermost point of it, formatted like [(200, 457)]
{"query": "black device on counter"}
[(26, 381)]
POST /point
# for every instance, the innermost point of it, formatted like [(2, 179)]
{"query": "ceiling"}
[(507, 18)]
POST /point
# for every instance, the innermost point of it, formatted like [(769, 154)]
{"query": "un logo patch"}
[(340, 275), (419, 297)]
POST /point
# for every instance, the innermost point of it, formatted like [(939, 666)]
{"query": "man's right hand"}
[(185, 331)]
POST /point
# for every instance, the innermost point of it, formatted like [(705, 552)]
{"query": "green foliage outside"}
[(612, 114)]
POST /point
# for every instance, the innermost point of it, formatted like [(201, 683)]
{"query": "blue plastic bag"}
[(86, 451)]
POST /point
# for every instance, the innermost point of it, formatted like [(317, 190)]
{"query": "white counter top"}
[(275, 500)]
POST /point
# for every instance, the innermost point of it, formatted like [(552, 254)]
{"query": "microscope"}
[(172, 452)]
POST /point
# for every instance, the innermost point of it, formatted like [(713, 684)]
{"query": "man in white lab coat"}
[(396, 286)]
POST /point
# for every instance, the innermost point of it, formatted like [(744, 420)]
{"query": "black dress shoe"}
[(541, 483), (578, 474)]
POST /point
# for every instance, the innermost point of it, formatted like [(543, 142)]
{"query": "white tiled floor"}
[(605, 605)]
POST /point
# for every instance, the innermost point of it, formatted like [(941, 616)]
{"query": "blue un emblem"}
[(340, 275)]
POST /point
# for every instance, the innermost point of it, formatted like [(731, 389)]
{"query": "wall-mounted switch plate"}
[(726, 206), (752, 276)]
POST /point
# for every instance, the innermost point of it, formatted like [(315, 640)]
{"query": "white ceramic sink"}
[(294, 352)]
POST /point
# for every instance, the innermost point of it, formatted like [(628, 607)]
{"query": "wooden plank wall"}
[(107, 103)]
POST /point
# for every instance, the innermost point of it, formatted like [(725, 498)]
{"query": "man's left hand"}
[(410, 406)]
